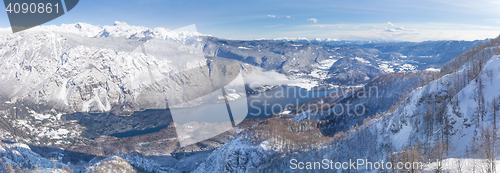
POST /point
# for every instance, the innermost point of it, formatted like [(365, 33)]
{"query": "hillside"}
[(70, 91), (449, 115)]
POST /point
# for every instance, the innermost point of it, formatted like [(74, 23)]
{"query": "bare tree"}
[(489, 73), (486, 147), (412, 154), (447, 133), (9, 168), (495, 108), (429, 124), (478, 96)]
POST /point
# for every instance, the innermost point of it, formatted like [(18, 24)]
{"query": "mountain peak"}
[(120, 29)]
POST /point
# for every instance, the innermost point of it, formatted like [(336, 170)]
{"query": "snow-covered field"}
[(462, 165)]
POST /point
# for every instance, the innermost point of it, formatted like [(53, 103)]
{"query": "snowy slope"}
[(86, 68), (51, 70), (463, 133), (18, 153), (425, 115), (238, 156)]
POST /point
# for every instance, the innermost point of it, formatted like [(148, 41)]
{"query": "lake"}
[(260, 105)]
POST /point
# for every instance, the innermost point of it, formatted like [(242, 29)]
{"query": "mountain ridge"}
[(29, 57)]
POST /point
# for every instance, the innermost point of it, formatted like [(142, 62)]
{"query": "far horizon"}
[(250, 20), (189, 28)]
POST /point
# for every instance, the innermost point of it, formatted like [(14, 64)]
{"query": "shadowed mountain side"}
[(161, 143), (375, 97), (98, 124), (350, 107), (150, 121), (67, 156)]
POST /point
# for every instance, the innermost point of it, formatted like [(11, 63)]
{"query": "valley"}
[(96, 95)]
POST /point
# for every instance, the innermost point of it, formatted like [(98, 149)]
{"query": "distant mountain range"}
[(50, 71)]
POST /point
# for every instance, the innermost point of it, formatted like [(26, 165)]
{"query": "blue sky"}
[(406, 20)]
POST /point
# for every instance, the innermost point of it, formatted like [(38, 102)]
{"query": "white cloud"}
[(314, 20), (395, 28), (288, 17), (273, 16), (389, 30), (410, 32), (259, 77)]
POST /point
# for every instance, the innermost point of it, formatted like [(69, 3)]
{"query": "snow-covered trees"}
[(486, 148)]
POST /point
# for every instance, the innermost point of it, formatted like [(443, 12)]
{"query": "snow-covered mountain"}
[(50, 71), (322, 63), (86, 68), (332, 41), (452, 114), (121, 29)]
